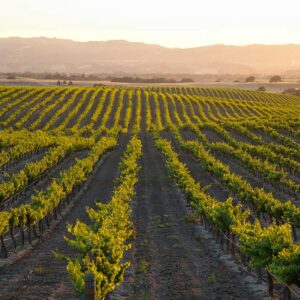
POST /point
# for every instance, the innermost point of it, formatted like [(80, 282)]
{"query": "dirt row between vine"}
[(49, 115), (41, 185), (23, 112), (104, 108), (38, 275), (112, 115), (18, 166), (237, 167), (88, 117), (60, 119), (170, 260), (6, 115), (13, 98), (73, 120), (36, 114)]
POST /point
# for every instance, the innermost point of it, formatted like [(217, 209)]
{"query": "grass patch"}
[(191, 218), (143, 266), (212, 279), (39, 270), (164, 225), (172, 237), (144, 295), (144, 243)]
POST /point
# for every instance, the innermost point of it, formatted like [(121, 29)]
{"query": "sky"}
[(183, 24)]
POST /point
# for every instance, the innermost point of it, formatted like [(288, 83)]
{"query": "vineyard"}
[(159, 192)]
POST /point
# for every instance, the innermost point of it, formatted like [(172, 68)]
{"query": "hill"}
[(61, 55)]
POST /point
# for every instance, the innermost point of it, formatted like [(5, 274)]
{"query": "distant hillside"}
[(59, 55)]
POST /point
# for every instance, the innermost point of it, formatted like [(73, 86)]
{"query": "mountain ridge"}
[(42, 54)]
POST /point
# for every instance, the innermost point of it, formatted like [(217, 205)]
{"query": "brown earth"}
[(38, 275), (170, 259)]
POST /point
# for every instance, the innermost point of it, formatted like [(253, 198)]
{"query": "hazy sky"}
[(185, 23)]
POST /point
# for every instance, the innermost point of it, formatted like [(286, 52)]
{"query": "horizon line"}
[(145, 43)]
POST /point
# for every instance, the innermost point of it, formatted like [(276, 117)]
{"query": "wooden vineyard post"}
[(11, 230), (270, 284), (90, 286), (4, 253)]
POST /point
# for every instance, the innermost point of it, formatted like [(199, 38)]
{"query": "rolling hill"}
[(61, 55)]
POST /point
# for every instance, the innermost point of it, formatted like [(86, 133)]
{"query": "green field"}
[(165, 165)]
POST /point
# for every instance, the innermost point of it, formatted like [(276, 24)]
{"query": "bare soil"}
[(171, 261), (152, 109), (15, 107), (212, 185), (162, 111), (87, 119), (133, 112), (240, 138), (112, 115), (205, 111), (22, 113), (255, 181), (69, 109), (222, 110), (52, 112), (104, 108), (13, 97), (36, 114), (171, 111), (38, 275), (41, 185), (73, 120), (212, 136), (123, 110), (14, 168)]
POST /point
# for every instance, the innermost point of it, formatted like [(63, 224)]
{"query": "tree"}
[(186, 80), (275, 78), (58, 82), (292, 91), (261, 89), (70, 82), (250, 79), (11, 76)]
